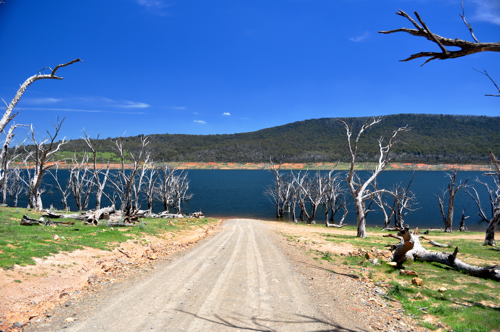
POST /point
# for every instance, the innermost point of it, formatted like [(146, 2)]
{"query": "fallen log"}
[(143, 213), (334, 225), (66, 223), (437, 244), (78, 216), (196, 215), (167, 215), (120, 224), (27, 221), (340, 225), (94, 217), (410, 248)]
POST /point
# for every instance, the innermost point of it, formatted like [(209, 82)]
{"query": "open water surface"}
[(240, 193)]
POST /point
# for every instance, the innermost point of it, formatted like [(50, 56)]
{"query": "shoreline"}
[(299, 166)]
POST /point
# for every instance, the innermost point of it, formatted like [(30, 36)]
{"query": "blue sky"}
[(229, 66)]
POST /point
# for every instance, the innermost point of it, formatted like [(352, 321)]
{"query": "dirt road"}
[(239, 279)]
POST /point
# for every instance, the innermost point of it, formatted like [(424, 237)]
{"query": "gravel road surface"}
[(239, 279)]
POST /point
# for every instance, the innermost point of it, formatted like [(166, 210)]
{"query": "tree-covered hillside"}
[(432, 139)]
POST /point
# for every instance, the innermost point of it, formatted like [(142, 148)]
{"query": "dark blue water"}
[(240, 193)]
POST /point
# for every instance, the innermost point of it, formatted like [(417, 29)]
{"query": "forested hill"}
[(432, 139)]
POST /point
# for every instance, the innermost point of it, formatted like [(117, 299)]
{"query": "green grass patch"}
[(468, 304), (20, 244)]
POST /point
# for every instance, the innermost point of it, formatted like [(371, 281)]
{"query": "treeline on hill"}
[(432, 139)]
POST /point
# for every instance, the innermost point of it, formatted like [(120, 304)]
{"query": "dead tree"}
[(274, 192), (9, 115), (360, 189), (452, 192), (312, 190), (41, 154), (293, 198), (462, 221), (409, 248), (164, 190), (405, 199), (492, 225), (465, 47), (15, 185), (100, 185), (146, 184), (81, 181), (180, 188), (63, 188), (303, 185), (477, 200), (379, 197), (123, 182), (6, 159), (342, 204), (333, 195)]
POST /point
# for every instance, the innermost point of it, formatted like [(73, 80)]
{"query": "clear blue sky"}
[(222, 66)]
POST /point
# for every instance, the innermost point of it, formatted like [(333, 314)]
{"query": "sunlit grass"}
[(468, 304), (20, 244)]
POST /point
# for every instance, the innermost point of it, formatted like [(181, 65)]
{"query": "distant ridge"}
[(432, 139)]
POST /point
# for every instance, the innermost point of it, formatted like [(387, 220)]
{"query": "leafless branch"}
[(484, 72), (466, 47), (467, 24)]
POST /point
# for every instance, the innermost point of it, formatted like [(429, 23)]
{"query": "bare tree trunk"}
[(360, 217), (452, 192), (360, 189), (42, 153), (462, 221), (490, 231)]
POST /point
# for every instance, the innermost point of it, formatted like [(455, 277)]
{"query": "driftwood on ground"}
[(27, 221), (437, 244), (196, 215), (93, 218), (50, 214), (167, 215), (410, 248)]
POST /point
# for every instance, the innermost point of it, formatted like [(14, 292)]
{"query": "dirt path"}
[(246, 277)]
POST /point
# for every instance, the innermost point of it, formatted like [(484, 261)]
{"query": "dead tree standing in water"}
[(124, 180), (495, 219), (81, 181), (93, 145), (9, 116), (452, 192), (360, 189), (275, 191), (147, 184), (63, 188), (333, 197), (42, 155)]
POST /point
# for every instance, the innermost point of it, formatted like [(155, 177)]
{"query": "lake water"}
[(240, 193)]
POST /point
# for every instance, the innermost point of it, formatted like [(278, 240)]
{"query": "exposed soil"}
[(27, 292)]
